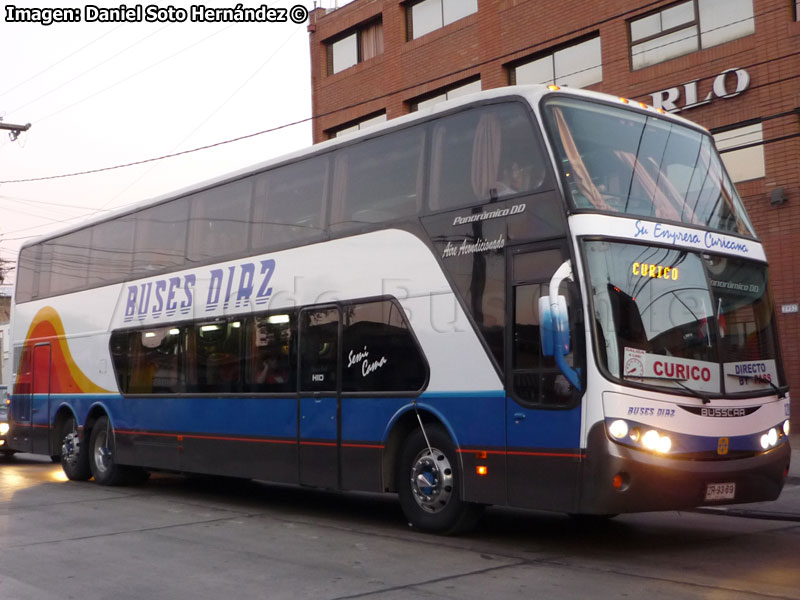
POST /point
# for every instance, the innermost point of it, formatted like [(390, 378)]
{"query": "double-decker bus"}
[(533, 296)]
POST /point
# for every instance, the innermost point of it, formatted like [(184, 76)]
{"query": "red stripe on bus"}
[(552, 454), (370, 446), (523, 453), (182, 436), (239, 439)]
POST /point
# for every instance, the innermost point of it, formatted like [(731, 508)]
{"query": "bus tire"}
[(429, 488), (74, 453), (102, 461)]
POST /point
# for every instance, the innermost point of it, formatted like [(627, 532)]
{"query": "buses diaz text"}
[(231, 286)]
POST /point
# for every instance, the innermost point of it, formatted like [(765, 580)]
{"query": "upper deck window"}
[(624, 161), (484, 154), (380, 179), (430, 15), (687, 27)]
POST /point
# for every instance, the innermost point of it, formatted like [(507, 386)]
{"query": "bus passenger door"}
[(40, 400), (542, 409), (318, 425)]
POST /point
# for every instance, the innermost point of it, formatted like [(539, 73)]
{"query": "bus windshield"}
[(624, 161), (675, 318)]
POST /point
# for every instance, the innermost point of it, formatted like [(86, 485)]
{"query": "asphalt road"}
[(221, 539)]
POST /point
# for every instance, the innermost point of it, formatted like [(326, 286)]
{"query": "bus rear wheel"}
[(429, 484), (102, 461), (74, 457)]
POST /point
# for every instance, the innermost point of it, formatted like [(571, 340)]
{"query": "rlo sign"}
[(727, 84)]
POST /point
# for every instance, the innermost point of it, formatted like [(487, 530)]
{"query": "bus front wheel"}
[(429, 484), (74, 455)]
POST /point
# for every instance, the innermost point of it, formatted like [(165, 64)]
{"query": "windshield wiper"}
[(679, 381), (761, 379)]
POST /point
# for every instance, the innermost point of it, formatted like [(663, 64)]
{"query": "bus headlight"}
[(770, 439), (631, 434), (3, 428), (650, 439), (618, 429), (786, 427)]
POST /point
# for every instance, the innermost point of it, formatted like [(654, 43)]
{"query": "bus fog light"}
[(664, 444), (618, 429), (650, 440), (3, 428), (786, 427)]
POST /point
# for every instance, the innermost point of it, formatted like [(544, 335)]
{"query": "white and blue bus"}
[(533, 297)]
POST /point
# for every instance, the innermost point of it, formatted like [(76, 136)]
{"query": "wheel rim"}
[(432, 480), (70, 447), (102, 454)]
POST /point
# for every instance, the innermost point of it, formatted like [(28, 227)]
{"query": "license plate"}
[(720, 491)]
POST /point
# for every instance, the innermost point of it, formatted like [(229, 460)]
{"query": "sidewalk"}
[(785, 508)]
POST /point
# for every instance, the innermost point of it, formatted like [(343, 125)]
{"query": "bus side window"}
[(161, 237), (154, 360), (217, 357), (379, 353), (219, 221), (270, 343), (380, 179), (288, 205), (499, 146)]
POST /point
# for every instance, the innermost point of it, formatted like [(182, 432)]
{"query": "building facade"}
[(731, 65)]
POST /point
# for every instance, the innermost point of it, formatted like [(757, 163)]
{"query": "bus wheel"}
[(101, 455), (429, 485), (74, 457)]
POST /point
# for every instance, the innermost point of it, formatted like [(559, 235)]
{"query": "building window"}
[(459, 89), (362, 44), (742, 152), (430, 15), (577, 65), (797, 10), (354, 126), (687, 27)]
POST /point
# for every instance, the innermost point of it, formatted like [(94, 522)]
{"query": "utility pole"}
[(14, 130)]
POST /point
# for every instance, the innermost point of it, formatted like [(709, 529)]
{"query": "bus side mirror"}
[(554, 326)]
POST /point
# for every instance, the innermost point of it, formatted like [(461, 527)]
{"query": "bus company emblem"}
[(722, 446)]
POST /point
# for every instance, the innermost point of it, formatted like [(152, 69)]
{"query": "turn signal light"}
[(482, 470)]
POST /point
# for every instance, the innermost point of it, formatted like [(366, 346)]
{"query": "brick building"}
[(730, 65)]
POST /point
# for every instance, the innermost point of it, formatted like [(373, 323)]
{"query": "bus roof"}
[(532, 93)]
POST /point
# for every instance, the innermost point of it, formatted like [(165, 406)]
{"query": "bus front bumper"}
[(618, 479)]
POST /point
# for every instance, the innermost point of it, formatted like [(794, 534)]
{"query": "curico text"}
[(681, 371)]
